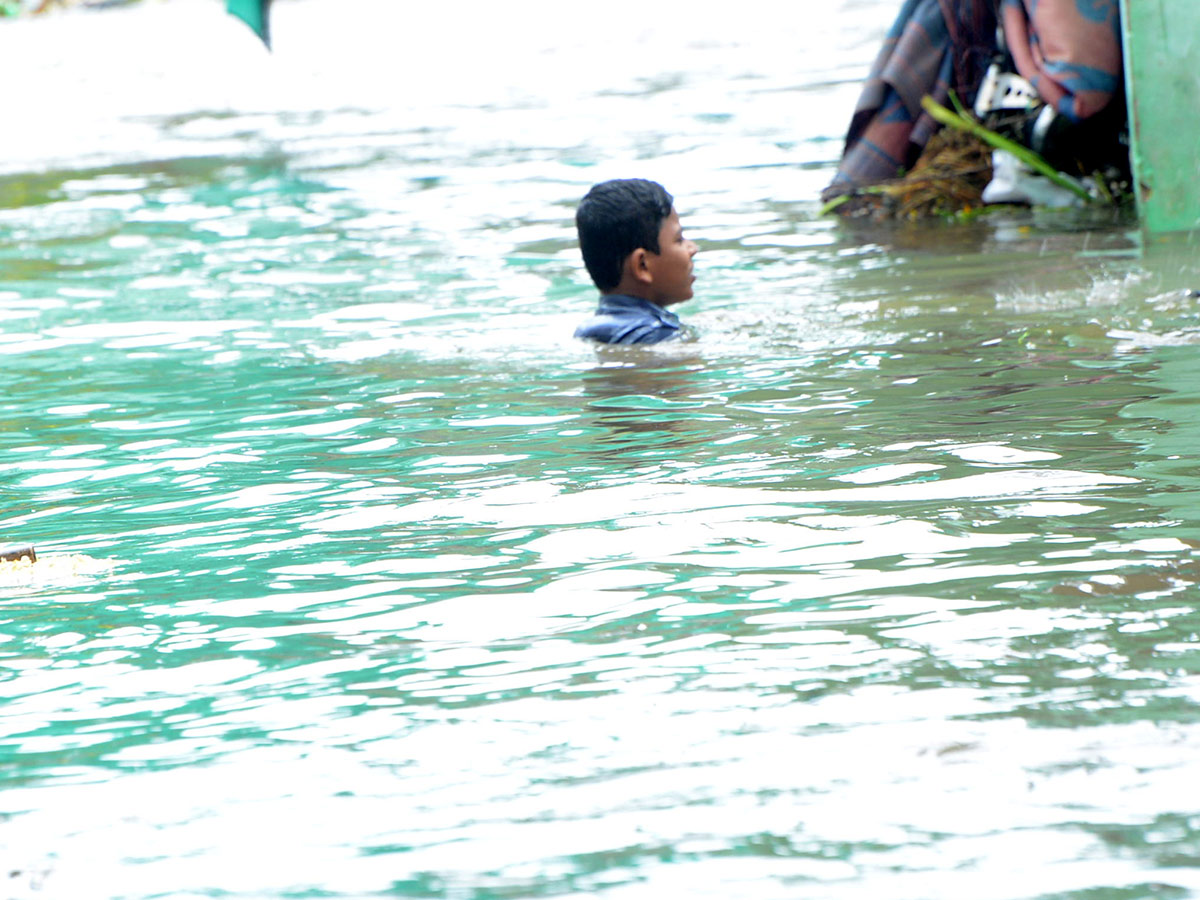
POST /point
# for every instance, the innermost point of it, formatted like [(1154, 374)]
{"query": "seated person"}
[(635, 251), (935, 47), (1070, 54)]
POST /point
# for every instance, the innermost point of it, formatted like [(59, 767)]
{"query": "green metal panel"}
[(1162, 79), (255, 14)]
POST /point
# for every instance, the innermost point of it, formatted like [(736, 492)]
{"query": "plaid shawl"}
[(932, 46)]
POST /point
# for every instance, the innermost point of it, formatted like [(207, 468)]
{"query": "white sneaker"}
[(1014, 182)]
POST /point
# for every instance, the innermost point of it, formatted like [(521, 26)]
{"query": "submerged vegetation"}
[(946, 182)]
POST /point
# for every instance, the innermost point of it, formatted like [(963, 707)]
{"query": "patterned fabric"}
[(932, 45), (1069, 50), (629, 320)]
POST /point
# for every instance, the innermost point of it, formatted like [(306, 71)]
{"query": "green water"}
[(359, 578)]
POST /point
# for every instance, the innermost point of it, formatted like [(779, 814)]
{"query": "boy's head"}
[(632, 241)]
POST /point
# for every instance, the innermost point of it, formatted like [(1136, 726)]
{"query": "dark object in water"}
[(16, 552)]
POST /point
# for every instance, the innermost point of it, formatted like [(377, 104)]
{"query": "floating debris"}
[(949, 178), (17, 552), (946, 182), (54, 569)]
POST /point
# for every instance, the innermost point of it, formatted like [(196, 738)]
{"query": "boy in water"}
[(635, 251)]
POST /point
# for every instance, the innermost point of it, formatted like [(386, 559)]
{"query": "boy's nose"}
[(692, 248)]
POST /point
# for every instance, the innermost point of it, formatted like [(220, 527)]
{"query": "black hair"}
[(614, 219)]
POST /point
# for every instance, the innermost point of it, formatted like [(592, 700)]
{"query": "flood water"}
[(360, 578)]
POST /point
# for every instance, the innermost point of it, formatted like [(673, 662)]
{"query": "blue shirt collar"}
[(612, 303)]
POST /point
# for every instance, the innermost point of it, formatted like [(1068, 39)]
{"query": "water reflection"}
[(638, 393)]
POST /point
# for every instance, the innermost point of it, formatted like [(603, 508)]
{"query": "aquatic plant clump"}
[(947, 181)]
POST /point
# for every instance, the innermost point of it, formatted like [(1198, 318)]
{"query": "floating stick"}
[(17, 552)]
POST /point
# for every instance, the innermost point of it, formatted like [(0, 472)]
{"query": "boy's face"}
[(671, 268)]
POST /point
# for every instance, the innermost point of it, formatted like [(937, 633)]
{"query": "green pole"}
[(1161, 40)]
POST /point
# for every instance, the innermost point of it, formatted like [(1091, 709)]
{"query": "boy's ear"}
[(639, 266)]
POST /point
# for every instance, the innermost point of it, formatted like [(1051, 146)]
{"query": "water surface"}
[(360, 578)]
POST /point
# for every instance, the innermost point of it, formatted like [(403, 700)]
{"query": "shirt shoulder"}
[(629, 320)]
